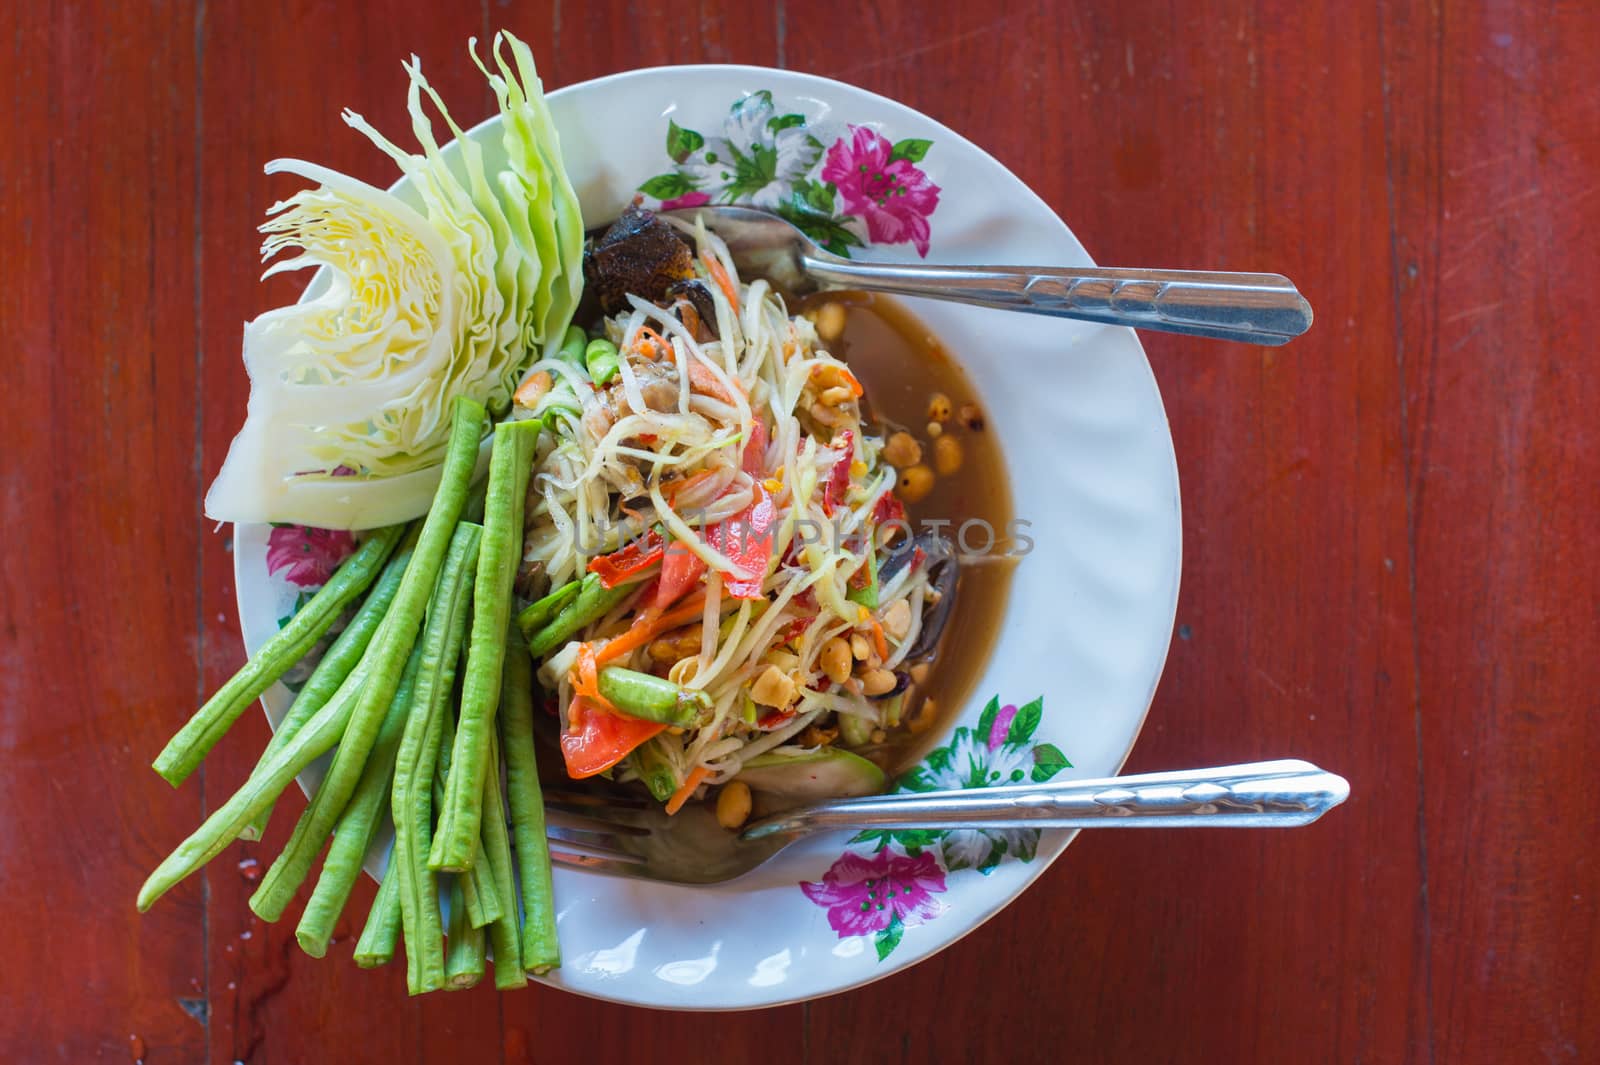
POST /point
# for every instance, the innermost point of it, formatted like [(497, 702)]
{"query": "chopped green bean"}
[(264, 785), (337, 663), (412, 800), (653, 698), (464, 963), (540, 951), (503, 934), (381, 934), (601, 358), (286, 647), (498, 557), (389, 649), (534, 617), (572, 347), (593, 601), (353, 833), (650, 762)]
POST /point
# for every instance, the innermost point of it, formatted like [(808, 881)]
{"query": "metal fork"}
[(619, 835)]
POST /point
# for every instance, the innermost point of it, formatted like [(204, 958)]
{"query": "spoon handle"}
[(1253, 308), (1277, 794)]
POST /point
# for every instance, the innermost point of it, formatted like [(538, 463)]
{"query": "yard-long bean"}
[(337, 663), (463, 964), (593, 601), (389, 650), (353, 833), (503, 934), (286, 647), (540, 952), (264, 785), (412, 797), (483, 907), (653, 698), (536, 616), (381, 933), (498, 558)]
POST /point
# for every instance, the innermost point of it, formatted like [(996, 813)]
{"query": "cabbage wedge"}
[(351, 389)]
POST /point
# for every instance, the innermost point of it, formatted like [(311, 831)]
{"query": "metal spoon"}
[(1254, 308), (625, 836)]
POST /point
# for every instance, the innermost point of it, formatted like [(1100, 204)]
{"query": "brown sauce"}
[(901, 365)]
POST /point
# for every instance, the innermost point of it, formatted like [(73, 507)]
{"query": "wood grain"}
[(1386, 523)]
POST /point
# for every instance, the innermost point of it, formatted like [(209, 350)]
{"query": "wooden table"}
[(1386, 524)]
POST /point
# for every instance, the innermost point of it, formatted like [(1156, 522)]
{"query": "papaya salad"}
[(727, 581), (664, 542)]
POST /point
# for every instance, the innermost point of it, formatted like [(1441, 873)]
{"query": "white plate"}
[(1080, 423)]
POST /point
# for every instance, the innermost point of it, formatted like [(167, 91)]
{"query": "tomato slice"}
[(595, 739), (629, 561)]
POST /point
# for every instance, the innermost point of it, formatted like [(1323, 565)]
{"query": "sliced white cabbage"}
[(351, 391)]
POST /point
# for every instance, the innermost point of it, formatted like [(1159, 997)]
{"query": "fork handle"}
[(1277, 794), (1253, 308)]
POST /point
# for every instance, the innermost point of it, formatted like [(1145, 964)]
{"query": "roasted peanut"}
[(836, 395), (939, 407), (878, 735), (830, 321), (919, 673), (925, 715), (878, 682), (860, 646), (902, 450), (897, 619), (733, 804), (972, 417), (773, 688), (815, 736), (835, 659), (947, 455), (915, 484), (934, 429)]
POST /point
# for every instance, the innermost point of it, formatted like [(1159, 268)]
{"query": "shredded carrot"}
[(658, 344), (850, 379), (533, 389), (879, 641), (585, 677), (681, 796), (720, 276), (687, 483), (648, 628), (702, 380)]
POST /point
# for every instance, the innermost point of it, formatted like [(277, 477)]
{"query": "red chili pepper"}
[(595, 739), (680, 570), (797, 628), (838, 482), (632, 559), (773, 718), (888, 508), (746, 538)]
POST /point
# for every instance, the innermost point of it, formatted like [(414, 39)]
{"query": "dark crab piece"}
[(640, 254), (938, 554)]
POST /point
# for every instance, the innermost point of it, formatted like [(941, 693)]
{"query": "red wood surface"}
[(1386, 524)]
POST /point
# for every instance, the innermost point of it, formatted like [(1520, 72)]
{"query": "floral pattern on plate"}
[(863, 188), (892, 886)]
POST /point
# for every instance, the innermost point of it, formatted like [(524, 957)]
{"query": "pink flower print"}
[(865, 895), (1001, 727), (307, 556), (891, 195), (688, 199)]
